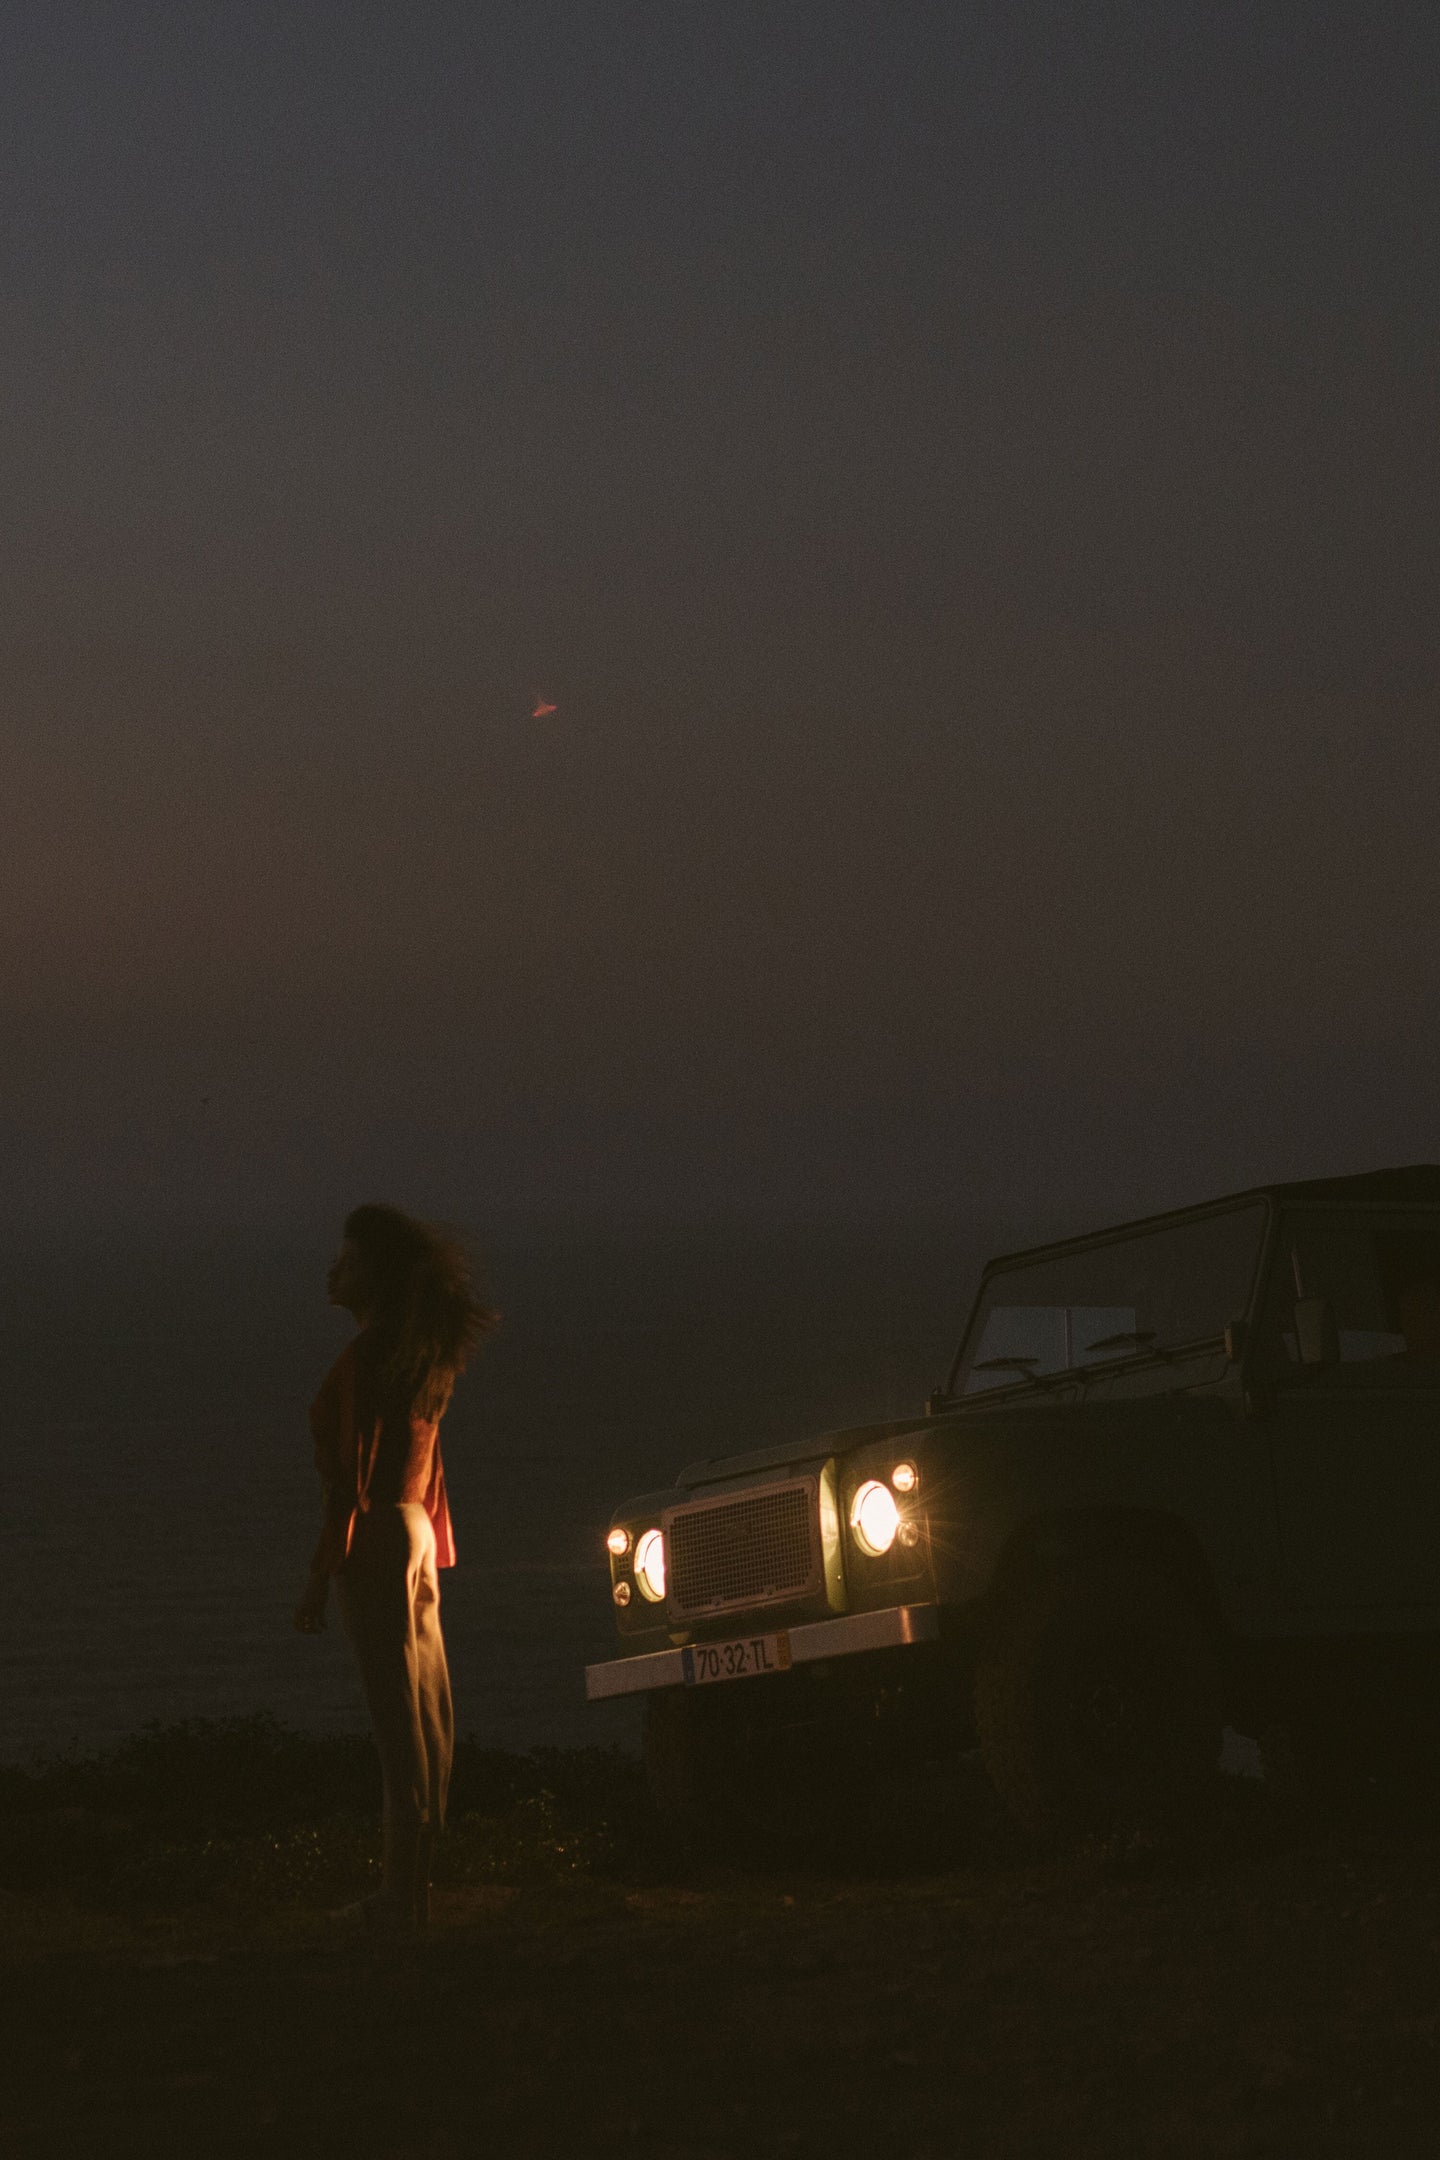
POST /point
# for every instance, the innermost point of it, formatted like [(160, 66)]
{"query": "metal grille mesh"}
[(747, 1551)]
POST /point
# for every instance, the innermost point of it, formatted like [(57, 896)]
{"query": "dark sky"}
[(967, 477)]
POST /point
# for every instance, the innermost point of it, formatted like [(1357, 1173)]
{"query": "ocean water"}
[(158, 1502)]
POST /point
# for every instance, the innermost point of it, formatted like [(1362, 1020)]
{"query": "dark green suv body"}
[(1172, 1464)]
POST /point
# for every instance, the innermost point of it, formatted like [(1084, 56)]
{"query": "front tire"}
[(1099, 1705), (739, 1781), (675, 1768)]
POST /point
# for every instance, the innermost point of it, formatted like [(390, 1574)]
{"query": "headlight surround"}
[(874, 1518), (650, 1566)]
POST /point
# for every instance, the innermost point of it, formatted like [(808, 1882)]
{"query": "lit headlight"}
[(650, 1565), (874, 1518), (619, 1543)]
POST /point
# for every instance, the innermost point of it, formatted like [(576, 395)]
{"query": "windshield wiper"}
[(1023, 1367), (1140, 1342)]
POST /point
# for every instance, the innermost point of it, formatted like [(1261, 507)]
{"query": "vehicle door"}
[(1350, 1337)]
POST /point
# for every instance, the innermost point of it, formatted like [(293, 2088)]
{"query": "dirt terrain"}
[(587, 1991)]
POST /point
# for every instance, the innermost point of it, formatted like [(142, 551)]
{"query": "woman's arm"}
[(310, 1612), (334, 1535), (331, 1426)]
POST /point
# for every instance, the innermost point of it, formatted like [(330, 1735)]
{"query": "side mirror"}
[(1237, 1337), (1316, 1336), (937, 1402)]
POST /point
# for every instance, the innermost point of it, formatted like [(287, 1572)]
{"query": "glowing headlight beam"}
[(650, 1565), (874, 1518)]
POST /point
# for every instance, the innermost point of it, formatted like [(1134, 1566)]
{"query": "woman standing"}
[(386, 1533)]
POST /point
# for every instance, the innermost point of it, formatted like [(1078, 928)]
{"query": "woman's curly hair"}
[(427, 1314)]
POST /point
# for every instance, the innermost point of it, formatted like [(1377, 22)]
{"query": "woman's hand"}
[(310, 1612)]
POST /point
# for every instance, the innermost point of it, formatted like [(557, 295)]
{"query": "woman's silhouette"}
[(386, 1533)]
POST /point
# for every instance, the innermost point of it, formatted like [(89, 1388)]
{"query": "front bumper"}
[(890, 1629)]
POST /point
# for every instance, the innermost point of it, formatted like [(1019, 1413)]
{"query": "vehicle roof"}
[(1411, 1184), (1417, 1181)]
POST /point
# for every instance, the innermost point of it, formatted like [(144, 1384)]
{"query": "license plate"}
[(702, 1662)]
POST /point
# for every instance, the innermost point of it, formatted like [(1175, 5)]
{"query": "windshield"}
[(1145, 1293)]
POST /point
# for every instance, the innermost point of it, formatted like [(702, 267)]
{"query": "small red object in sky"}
[(542, 710)]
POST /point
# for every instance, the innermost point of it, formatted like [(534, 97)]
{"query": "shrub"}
[(245, 1811)]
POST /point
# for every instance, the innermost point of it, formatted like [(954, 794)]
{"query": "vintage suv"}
[(1175, 1466)]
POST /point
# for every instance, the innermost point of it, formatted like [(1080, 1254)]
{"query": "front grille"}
[(757, 1548)]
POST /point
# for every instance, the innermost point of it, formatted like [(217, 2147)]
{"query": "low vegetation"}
[(245, 1813), (174, 1983)]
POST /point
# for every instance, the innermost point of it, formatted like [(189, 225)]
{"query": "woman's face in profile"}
[(347, 1283)]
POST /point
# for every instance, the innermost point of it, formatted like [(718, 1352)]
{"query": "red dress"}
[(371, 1453)]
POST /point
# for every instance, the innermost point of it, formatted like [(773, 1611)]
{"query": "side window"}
[(1359, 1298)]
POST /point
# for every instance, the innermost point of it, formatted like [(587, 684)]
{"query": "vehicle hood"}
[(792, 1455)]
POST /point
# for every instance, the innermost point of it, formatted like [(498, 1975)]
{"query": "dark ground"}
[(172, 1985)]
